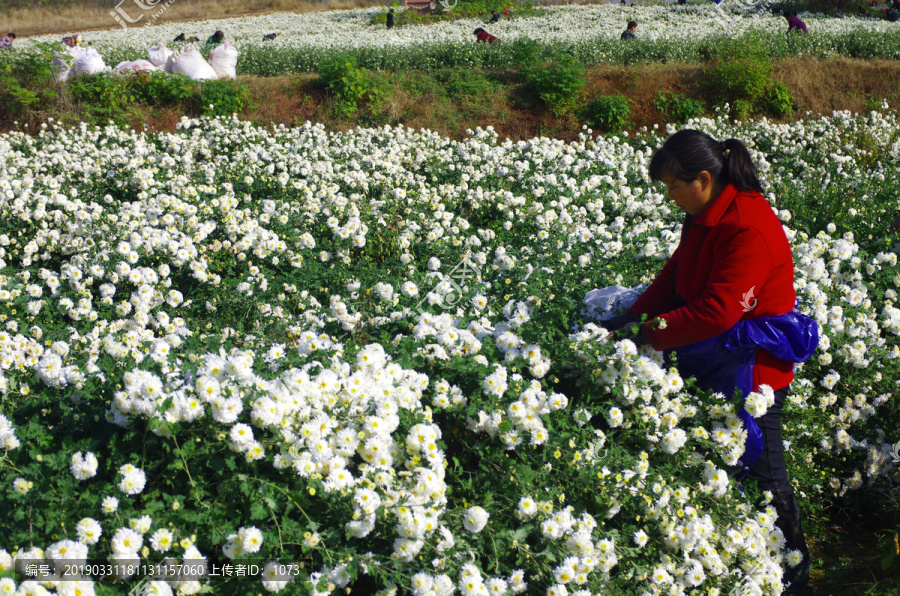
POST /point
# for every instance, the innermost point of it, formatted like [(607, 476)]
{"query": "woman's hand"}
[(622, 327), (620, 321)]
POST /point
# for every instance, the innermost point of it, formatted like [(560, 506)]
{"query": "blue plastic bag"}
[(724, 363)]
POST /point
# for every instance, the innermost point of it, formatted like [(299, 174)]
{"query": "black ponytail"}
[(688, 152)]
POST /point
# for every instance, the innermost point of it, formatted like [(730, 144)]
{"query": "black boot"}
[(795, 579)]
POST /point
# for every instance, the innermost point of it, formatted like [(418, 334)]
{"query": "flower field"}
[(357, 360), (590, 33)]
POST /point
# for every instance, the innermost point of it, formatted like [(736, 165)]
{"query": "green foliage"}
[(746, 84), (35, 66), (101, 95), (609, 113), (349, 84), (778, 101), (525, 52), (737, 79), (463, 83), (24, 83), (15, 100), (677, 107), (223, 98), (558, 84), (158, 88)]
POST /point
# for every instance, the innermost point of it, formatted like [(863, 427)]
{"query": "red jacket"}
[(485, 36), (737, 245)]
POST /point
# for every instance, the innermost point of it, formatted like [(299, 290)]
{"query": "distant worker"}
[(890, 14), (270, 37), (495, 17), (215, 39), (629, 31), (72, 40), (483, 36), (179, 38), (682, 2), (6, 41), (390, 19), (794, 22)]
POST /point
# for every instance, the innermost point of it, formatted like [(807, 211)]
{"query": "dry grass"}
[(89, 16), (840, 83)]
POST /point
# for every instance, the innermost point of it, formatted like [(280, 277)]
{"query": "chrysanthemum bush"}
[(358, 360), (589, 33)]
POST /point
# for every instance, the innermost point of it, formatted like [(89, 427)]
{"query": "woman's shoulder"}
[(752, 207), (749, 210)]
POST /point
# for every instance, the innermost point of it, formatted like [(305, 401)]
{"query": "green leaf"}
[(888, 560), (258, 511)]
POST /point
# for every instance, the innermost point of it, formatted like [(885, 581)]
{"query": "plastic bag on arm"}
[(605, 302), (724, 363)]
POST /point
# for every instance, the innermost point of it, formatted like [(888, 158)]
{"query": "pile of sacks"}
[(75, 60)]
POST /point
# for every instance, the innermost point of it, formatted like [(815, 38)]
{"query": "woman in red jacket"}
[(727, 297), (485, 37)]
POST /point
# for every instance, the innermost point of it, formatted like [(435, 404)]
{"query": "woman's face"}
[(691, 197)]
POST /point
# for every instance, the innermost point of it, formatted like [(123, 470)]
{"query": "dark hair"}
[(479, 30), (631, 24), (12, 35), (688, 152), (218, 35)]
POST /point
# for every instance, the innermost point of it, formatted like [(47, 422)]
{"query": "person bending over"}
[(483, 36)]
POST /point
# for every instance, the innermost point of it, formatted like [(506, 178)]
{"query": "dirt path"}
[(89, 17)]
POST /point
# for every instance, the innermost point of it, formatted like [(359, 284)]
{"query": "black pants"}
[(770, 473)]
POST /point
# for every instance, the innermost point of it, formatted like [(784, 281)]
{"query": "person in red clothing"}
[(723, 304), (483, 36)]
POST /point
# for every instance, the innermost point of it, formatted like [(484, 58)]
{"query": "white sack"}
[(75, 51), (223, 59), (170, 63), (137, 65), (62, 66), (191, 64), (159, 55), (88, 63), (612, 300)]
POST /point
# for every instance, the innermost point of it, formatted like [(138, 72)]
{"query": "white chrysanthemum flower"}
[(133, 480), (161, 540), (109, 505), (89, 531), (126, 541), (84, 466), (475, 519), (276, 576)]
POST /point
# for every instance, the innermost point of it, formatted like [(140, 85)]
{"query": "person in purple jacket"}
[(794, 22)]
